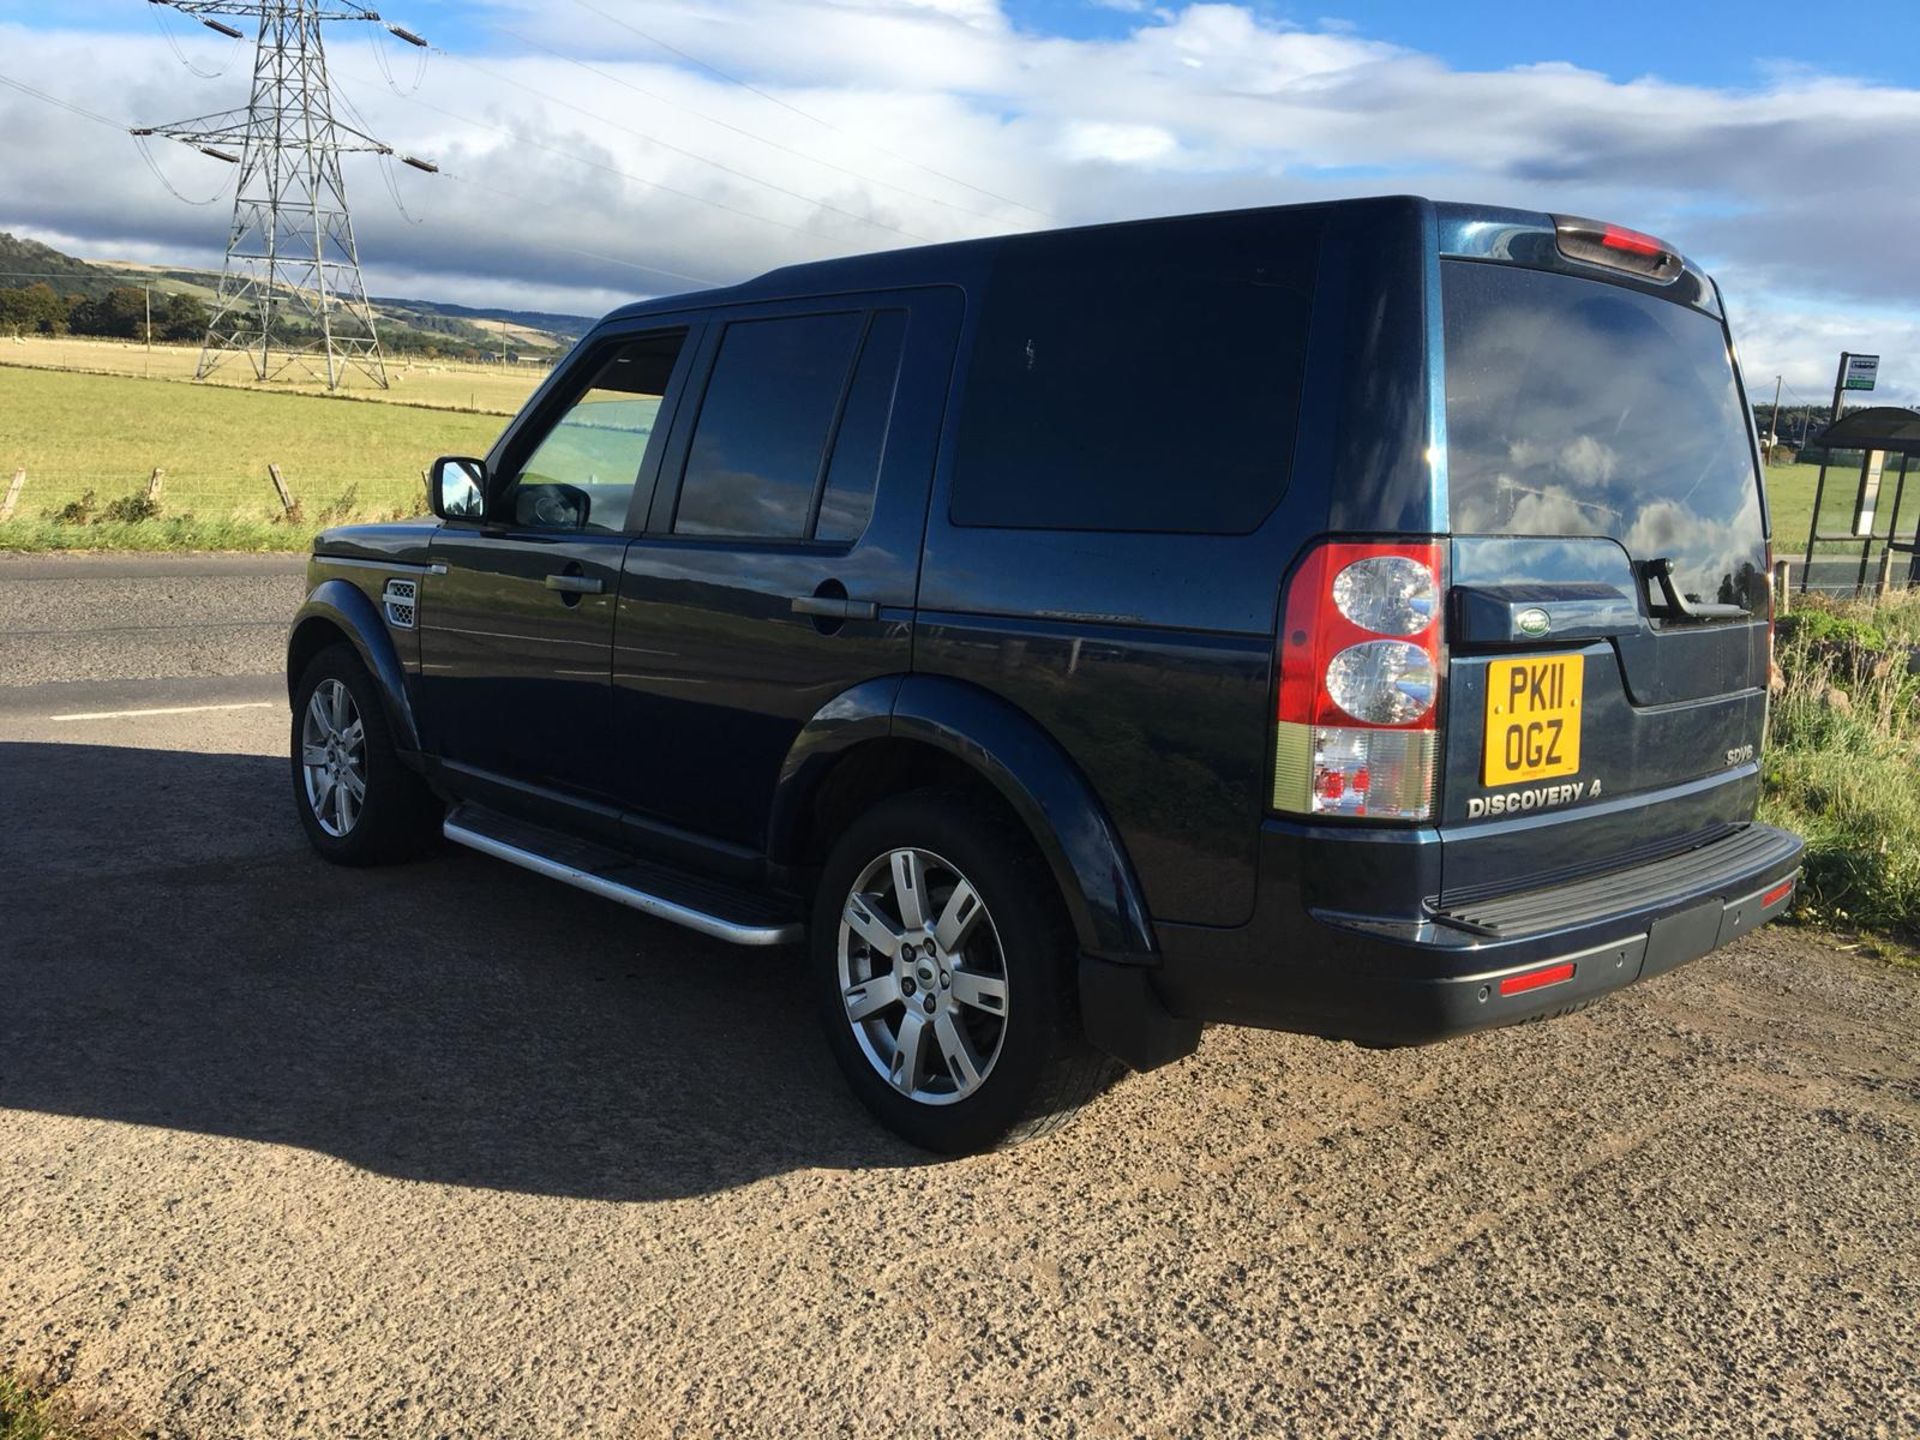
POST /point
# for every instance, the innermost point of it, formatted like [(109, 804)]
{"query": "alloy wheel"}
[(333, 758), (923, 980)]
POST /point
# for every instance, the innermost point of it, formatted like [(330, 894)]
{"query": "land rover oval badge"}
[(1533, 622)]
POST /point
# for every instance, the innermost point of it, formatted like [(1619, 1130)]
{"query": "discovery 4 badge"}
[(1537, 797)]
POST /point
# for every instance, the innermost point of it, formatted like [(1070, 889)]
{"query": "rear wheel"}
[(357, 802), (946, 979)]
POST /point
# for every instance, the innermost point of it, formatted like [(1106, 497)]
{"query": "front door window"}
[(583, 473)]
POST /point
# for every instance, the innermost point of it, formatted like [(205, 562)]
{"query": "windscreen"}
[(1575, 407)]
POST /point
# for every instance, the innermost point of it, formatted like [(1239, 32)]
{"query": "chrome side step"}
[(651, 889)]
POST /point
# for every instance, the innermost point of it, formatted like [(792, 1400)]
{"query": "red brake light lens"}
[(1618, 237), (1360, 670), (1599, 243)]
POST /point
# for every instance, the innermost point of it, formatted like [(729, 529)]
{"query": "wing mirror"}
[(457, 488)]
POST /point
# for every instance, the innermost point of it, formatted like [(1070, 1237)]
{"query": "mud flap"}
[(1125, 1016)]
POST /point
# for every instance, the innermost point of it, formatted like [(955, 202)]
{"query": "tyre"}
[(358, 804), (945, 973)]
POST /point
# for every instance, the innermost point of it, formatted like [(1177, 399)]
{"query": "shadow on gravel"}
[(172, 954)]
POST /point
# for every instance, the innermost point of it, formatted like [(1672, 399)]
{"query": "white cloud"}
[(1115, 144), (1782, 190)]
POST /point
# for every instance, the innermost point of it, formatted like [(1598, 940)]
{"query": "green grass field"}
[(1790, 498), (75, 433), (441, 384)]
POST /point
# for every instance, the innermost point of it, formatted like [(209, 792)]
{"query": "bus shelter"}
[(1882, 434)]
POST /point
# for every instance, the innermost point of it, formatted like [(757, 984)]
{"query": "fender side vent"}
[(399, 598)]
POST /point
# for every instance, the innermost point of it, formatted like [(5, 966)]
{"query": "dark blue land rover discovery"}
[(1351, 619)]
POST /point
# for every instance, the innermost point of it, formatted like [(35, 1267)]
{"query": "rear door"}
[(781, 561), (1609, 636)]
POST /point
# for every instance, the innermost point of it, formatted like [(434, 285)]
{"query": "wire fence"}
[(276, 495)]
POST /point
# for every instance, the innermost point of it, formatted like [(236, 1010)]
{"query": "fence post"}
[(156, 482), (1885, 581), (1782, 580), (13, 496), (287, 501)]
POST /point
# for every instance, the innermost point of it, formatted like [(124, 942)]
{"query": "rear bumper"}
[(1386, 980)]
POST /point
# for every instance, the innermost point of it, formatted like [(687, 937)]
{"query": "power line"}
[(87, 114), (179, 51), (678, 150), (614, 170), (741, 130), (733, 79), (572, 250), (67, 105)]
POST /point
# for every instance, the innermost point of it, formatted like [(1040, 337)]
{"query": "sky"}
[(596, 151)]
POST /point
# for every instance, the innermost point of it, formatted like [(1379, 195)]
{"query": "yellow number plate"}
[(1533, 719)]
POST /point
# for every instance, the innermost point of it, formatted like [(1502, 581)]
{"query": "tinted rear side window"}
[(861, 442), (1575, 407), (764, 424), (1141, 378)]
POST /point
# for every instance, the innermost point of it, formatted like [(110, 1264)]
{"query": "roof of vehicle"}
[(957, 262)]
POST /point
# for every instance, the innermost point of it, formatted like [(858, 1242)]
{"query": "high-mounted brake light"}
[(1360, 670), (1598, 243), (1618, 237)]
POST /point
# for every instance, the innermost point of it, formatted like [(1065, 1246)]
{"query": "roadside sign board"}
[(1862, 371)]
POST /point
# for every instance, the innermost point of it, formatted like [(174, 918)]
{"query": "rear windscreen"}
[(1576, 407)]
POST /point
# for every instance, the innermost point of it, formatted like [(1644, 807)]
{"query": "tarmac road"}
[(449, 1150)]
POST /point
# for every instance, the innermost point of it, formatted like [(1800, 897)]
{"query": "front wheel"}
[(357, 802), (945, 974)]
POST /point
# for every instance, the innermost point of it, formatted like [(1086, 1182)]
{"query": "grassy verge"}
[(1843, 761), (182, 533), (27, 1414)]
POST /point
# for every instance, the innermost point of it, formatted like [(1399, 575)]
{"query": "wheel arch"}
[(907, 732), (336, 611)]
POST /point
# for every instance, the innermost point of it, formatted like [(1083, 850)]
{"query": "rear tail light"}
[(1360, 670), (1598, 243)]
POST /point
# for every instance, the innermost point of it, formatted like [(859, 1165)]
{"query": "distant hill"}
[(570, 327), (412, 324), (28, 262)]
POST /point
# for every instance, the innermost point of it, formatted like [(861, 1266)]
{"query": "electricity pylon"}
[(291, 292)]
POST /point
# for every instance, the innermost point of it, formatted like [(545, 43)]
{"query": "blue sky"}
[(583, 164), (1718, 44), (1704, 43)]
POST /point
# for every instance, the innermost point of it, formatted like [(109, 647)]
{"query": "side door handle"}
[(835, 607), (576, 584)]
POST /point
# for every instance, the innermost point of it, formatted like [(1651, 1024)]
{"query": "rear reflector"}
[(1536, 979), (1774, 896), (1598, 243)]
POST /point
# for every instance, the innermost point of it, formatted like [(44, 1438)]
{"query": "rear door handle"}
[(832, 607), (576, 584)]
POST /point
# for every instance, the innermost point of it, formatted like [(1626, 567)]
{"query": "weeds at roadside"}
[(27, 1414), (130, 510), (1843, 761), (181, 532)]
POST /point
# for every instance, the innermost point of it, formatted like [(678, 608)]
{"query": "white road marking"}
[(167, 710)]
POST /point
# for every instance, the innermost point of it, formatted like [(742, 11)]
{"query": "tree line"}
[(121, 314)]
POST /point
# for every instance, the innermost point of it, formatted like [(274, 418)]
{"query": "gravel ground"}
[(449, 1150)]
